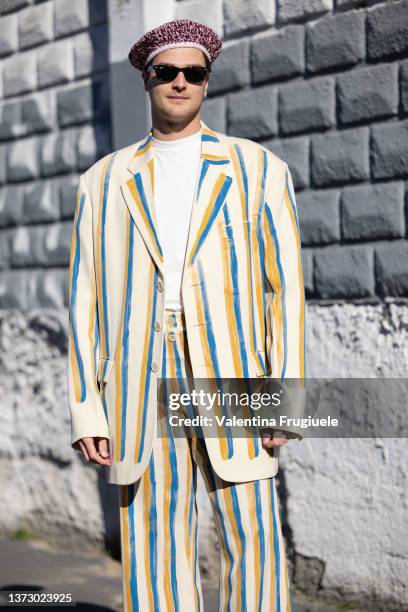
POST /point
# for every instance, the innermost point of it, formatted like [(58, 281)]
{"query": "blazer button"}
[(160, 285), (157, 326), (154, 367)]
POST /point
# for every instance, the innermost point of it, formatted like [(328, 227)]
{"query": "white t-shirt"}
[(176, 166)]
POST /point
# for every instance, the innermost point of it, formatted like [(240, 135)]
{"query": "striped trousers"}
[(158, 522)]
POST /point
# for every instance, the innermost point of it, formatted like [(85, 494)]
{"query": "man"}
[(185, 262)]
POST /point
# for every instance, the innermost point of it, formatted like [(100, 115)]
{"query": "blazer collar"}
[(213, 184)]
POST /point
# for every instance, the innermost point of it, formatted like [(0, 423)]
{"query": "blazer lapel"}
[(138, 192), (212, 186)]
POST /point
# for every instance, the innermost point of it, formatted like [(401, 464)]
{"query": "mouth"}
[(177, 98)]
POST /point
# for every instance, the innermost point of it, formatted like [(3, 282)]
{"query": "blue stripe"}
[(125, 343), (196, 563), (149, 363), (282, 279), (209, 138), (261, 532), (103, 254), (208, 328), (237, 513), (145, 143), (245, 181), (235, 283), (139, 185), (75, 273), (153, 536), (172, 517), (96, 340), (204, 169), (276, 552), (132, 547), (217, 205), (261, 246)]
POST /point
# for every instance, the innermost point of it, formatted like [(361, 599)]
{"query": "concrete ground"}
[(93, 579)]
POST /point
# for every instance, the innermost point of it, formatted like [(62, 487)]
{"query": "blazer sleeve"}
[(88, 417), (284, 293)]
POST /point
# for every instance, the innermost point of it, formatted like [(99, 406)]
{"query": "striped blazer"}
[(242, 291)]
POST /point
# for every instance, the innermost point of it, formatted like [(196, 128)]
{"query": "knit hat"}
[(177, 33)]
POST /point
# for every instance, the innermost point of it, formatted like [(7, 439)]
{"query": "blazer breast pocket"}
[(241, 230)]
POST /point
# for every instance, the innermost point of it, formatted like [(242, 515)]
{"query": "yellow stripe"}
[(166, 507), (224, 578), (98, 260), (240, 181), (150, 165), (214, 194), (256, 541), (229, 303), (287, 587), (144, 150), (147, 492), (124, 510), (74, 361), (91, 329), (143, 366), (208, 360), (135, 194), (276, 304), (256, 256), (301, 288), (238, 544), (272, 550), (118, 356)]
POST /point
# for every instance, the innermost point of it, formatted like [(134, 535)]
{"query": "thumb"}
[(103, 448)]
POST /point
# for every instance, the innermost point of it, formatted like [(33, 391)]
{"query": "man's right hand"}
[(94, 450)]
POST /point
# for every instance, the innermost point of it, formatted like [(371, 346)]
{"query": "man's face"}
[(179, 99)]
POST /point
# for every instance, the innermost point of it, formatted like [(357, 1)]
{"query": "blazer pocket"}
[(259, 362), (104, 369)]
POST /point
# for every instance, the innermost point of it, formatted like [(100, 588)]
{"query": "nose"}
[(180, 80)]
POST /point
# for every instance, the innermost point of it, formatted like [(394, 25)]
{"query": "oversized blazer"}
[(242, 291)]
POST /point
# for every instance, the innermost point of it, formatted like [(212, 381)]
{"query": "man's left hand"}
[(278, 438)]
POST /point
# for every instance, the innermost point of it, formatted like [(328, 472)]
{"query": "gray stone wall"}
[(324, 85), (54, 123)]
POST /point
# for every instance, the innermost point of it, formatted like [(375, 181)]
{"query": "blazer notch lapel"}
[(138, 193), (213, 185)]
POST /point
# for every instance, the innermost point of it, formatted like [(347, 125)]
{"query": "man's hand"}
[(278, 438), (95, 450)]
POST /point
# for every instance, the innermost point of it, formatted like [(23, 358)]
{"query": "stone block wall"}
[(323, 84), (54, 123)]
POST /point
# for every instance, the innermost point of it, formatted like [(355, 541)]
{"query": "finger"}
[(83, 450), (103, 448), (93, 453), (275, 442)]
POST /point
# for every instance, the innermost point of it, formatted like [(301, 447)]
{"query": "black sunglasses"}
[(167, 73)]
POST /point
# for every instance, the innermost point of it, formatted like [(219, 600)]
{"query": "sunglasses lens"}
[(166, 73), (193, 74)]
